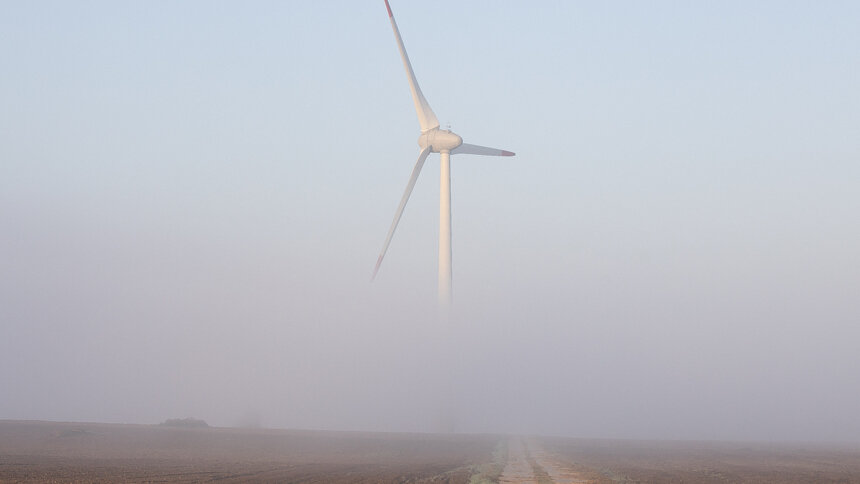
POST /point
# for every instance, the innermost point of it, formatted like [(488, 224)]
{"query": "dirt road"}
[(529, 463), (517, 468)]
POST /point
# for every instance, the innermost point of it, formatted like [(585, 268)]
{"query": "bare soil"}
[(89, 452), (708, 462), (86, 452)]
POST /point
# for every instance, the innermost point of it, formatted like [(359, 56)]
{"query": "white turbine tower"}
[(446, 143)]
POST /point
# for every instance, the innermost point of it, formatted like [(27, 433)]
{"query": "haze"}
[(193, 195)]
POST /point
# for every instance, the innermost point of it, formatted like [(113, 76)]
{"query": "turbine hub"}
[(439, 140)]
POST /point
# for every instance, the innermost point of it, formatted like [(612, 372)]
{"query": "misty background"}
[(193, 196)]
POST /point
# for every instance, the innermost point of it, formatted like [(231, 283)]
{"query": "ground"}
[(86, 452)]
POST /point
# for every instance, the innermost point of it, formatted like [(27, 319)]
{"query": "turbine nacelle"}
[(439, 140)]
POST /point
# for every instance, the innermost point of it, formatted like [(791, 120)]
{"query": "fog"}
[(193, 195)]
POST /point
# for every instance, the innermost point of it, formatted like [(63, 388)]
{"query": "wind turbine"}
[(433, 140)]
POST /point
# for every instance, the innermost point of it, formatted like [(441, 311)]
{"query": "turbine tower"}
[(433, 140)]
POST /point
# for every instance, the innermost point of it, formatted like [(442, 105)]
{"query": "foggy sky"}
[(193, 195)]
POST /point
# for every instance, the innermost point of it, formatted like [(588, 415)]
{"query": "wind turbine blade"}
[(426, 117), (409, 186), (467, 149)]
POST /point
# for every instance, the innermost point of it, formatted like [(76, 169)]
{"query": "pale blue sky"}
[(193, 195)]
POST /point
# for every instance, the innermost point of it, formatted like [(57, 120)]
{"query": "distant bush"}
[(185, 422)]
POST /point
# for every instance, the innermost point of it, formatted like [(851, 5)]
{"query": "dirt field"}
[(711, 462), (75, 452)]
